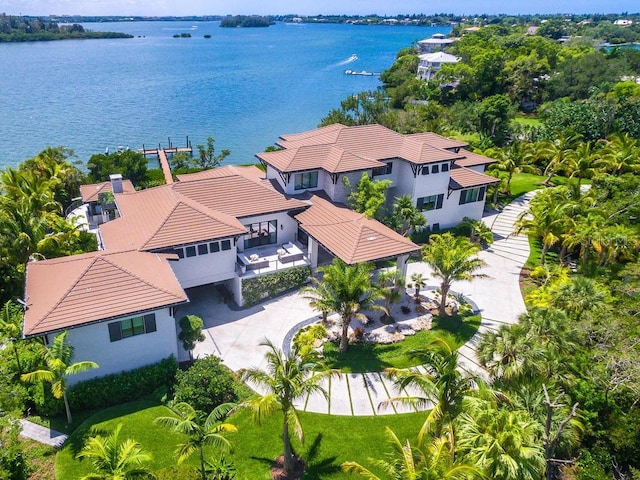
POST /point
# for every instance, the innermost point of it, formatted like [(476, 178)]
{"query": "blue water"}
[(244, 87)]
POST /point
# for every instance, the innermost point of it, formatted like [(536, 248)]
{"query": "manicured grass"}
[(368, 357), (329, 440), (528, 120), (137, 419)]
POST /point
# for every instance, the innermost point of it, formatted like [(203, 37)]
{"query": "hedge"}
[(123, 387), (256, 289)]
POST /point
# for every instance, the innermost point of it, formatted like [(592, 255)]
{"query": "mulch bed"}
[(278, 472)]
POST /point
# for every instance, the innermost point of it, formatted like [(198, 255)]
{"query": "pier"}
[(163, 159)]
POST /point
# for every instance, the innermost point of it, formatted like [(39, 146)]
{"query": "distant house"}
[(436, 43), (430, 63), (623, 22), (225, 226)]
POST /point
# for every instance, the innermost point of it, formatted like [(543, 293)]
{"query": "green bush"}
[(205, 385), (123, 387), (46, 404), (257, 289), (178, 472), (306, 337)]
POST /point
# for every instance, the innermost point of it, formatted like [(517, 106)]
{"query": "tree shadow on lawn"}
[(316, 468), (88, 428), (461, 327)]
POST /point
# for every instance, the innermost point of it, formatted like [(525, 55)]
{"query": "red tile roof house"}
[(223, 226)]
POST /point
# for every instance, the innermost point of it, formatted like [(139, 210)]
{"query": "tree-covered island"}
[(26, 29), (246, 21)]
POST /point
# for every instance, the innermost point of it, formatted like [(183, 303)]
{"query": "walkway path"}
[(42, 434)]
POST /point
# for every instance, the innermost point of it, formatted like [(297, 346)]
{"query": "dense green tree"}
[(405, 217), (206, 154), (287, 379), (348, 290), (115, 459), (364, 108), (451, 259), (130, 164), (11, 327), (369, 196), (59, 361), (13, 462)]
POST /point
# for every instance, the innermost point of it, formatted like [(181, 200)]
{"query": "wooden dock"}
[(163, 159)]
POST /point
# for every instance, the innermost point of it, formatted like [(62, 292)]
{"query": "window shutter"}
[(440, 199), (150, 323), (481, 193), (114, 332)]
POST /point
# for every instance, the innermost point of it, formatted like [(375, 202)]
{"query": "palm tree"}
[(578, 296), (443, 387), (390, 282), (433, 462), (582, 162), (11, 327), (517, 158), (346, 289), (505, 444), (59, 358), (419, 281), (546, 219), (620, 154), (557, 152), (452, 259), (288, 378), (406, 216), (113, 459), (201, 430)]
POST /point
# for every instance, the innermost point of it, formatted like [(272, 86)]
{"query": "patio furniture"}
[(291, 253)]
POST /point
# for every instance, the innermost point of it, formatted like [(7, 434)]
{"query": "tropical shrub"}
[(305, 339), (123, 387), (205, 385)]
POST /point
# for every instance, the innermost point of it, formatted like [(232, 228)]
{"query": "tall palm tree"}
[(59, 361), (581, 162), (557, 152), (443, 387), (452, 259), (434, 462), (546, 219), (115, 459), (346, 289), (288, 377), (516, 158), (201, 430), (11, 327), (406, 216)]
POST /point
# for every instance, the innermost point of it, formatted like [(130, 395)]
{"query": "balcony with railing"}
[(271, 258)]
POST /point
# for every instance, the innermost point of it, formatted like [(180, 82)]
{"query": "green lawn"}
[(528, 120), (369, 357), (329, 440)]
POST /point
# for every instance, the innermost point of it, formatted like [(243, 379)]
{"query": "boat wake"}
[(351, 59)]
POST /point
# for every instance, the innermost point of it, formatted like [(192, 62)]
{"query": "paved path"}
[(42, 434), (235, 336)]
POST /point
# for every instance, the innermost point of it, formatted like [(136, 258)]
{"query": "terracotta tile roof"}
[(436, 140), (351, 236), (236, 195), (159, 218), (339, 149), (251, 172), (79, 289), (462, 177), (472, 159), (89, 193)]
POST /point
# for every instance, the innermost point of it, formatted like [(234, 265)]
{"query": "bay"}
[(243, 86)]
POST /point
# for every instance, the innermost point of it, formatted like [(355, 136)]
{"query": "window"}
[(386, 170), (191, 251), (262, 233), (435, 168), (445, 167), (226, 244), (132, 326), (202, 249), (432, 202), (305, 180), (180, 252), (425, 170), (472, 195), (214, 247)]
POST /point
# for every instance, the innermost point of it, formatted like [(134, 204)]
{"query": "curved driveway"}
[(235, 335)]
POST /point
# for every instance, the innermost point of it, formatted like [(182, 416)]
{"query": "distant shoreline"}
[(52, 37)]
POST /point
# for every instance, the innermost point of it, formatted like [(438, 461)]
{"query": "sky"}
[(310, 7)]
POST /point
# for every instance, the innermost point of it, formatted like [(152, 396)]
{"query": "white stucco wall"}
[(338, 192), (452, 213), (92, 343), (287, 227), (204, 269), (289, 187)]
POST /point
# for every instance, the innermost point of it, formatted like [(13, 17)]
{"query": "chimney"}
[(116, 182)]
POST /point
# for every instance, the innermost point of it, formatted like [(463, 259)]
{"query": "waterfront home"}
[(220, 227), (430, 63), (437, 43), (443, 179)]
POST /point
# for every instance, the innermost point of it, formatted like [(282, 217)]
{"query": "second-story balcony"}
[(271, 258)]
